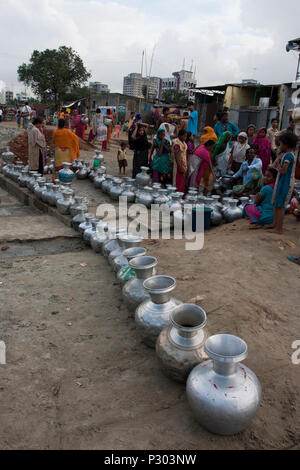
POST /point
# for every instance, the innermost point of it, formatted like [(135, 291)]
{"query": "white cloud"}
[(226, 40)]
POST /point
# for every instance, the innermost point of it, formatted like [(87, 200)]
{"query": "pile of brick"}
[(19, 145)]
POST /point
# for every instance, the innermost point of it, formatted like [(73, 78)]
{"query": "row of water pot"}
[(222, 392), (141, 190)]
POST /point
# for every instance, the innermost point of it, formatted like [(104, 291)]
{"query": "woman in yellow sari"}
[(209, 134), (66, 147)]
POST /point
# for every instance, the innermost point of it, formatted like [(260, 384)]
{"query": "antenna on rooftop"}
[(192, 65), (183, 65)]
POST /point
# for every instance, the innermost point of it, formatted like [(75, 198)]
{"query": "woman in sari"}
[(251, 173), (180, 161), (98, 130), (161, 161), (262, 212), (66, 147), (209, 134), (77, 124), (199, 162), (36, 145), (264, 148), (238, 152), (140, 146), (251, 133), (221, 152), (109, 116)]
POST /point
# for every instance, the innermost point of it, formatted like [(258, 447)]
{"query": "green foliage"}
[(175, 97), (51, 73), (76, 94)]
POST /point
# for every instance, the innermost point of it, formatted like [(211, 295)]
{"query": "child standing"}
[(117, 130), (286, 165), (122, 160)]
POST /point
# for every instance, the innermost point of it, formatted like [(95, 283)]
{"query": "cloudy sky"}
[(228, 41)]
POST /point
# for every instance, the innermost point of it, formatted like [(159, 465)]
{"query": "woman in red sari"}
[(109, 115), (78, 125), (199, 162), (264, 148)]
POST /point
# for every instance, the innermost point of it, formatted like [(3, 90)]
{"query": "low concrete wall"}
[(28, 198)]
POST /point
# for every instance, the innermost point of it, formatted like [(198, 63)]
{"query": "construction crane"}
[(151, 64)]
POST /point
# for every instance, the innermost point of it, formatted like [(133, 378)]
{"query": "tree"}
[(175, 97), (52, 72), (77, 93)]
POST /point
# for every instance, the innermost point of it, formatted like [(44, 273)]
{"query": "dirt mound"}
[(19, 146)]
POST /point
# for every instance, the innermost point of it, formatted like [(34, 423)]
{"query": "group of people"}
[(261, 163), (65, 141), (102, 127)]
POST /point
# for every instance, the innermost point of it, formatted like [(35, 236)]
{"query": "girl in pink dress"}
[(264, 148)]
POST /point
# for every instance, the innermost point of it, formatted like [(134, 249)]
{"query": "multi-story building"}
[(99, 87), (9, 96), (2, 97), (22, 97), (134, 85), (182, 81)]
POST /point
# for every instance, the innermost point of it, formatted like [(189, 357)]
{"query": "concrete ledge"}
[(28, 198)]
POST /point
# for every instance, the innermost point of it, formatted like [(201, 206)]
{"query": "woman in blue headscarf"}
[(137, 120), (161, 161)]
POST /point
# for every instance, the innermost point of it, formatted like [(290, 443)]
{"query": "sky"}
[(226, 41)]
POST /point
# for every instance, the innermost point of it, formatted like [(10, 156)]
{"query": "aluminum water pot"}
[(180, 346), (114, 233), (145, 197), (233, 212), (123, 260), (78, 203), (23, 178), (127, 273), (153, 315), (125, 242), (40, 188), (8, 156), (64, 204), (46, 193), (133, 291), (243, 202), (224, 394), (83, 171), (90, 231), (129, 193), (107, 183), (143, 179), (115, 189), (86, 224), (99, 178), (66, 175), (79, 218)]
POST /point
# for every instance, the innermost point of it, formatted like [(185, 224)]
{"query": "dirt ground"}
[(77, 374)]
